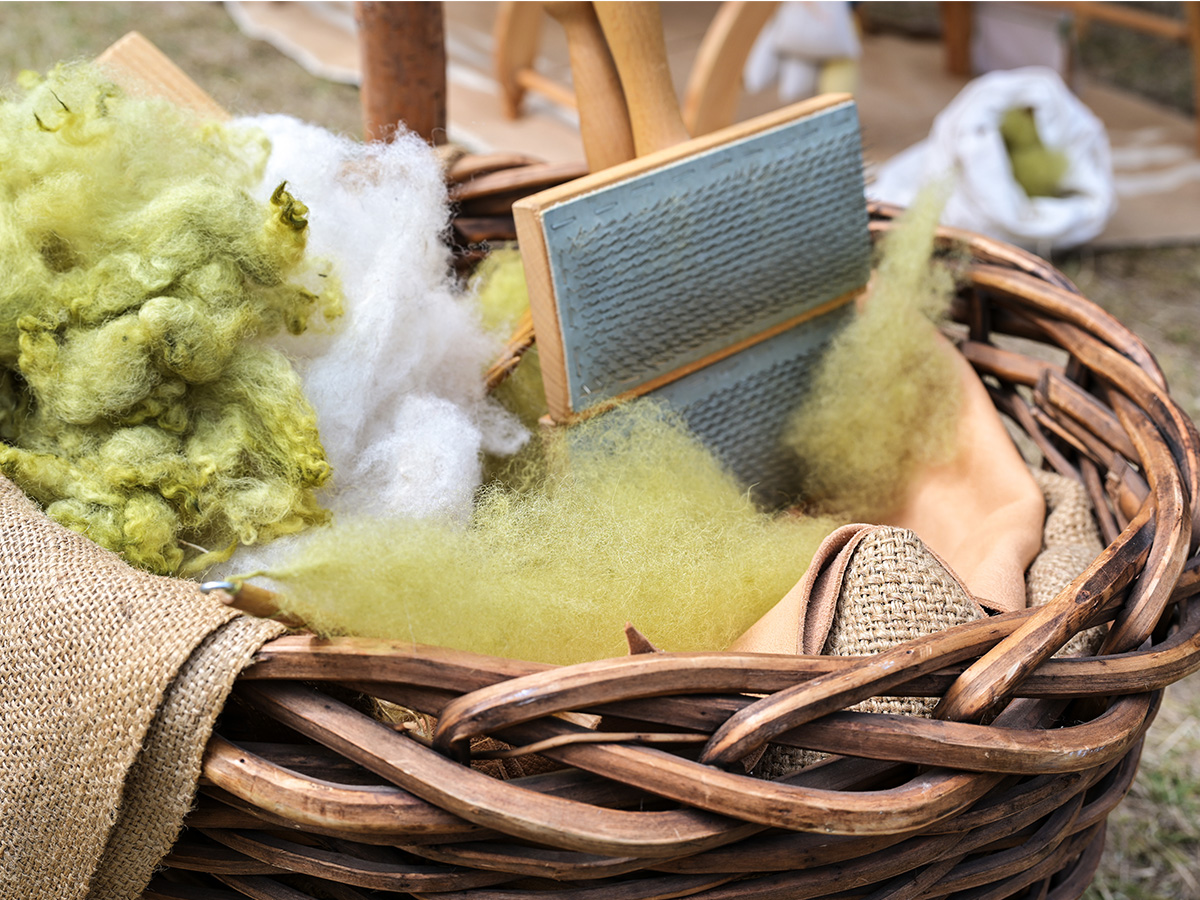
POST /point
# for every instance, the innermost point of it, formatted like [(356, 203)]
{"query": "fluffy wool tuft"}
[(398, 388), (137, 266), (502, 295), (625, 518), (885, 399)]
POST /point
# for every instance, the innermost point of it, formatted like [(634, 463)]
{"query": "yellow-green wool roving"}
[(136, 268), (503, 297), (624, 518), (885, 398), (1037, 168)]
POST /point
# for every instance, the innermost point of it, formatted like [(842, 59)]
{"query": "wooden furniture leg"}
[(715, 83), (600, 99), (956, 34), (714, 86), (516, 35), (403, 68)]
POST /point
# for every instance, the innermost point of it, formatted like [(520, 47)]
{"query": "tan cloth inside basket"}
[(982, 512), (111, 679)]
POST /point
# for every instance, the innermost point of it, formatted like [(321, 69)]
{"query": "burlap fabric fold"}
[(1070, 541), (872, 587), (882, 587), (110, 680)]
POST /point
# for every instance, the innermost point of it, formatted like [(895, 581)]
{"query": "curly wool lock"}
[(138, 268)]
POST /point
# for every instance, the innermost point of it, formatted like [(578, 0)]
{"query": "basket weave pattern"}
[(1003, 793)]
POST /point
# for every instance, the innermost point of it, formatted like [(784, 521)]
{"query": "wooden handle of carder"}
[(603, 117), (635, 38)]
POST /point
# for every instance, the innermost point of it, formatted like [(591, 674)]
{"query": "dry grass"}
[(1156, 293), (243, 75), (1153, 848), (1154, 837)]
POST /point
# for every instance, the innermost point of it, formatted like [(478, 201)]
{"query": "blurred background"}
[(910, 61)]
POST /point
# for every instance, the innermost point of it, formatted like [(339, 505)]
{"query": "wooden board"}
[(141, 68), (541, 253)]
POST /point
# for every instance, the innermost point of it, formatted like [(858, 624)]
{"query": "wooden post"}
[(403, 69), (715, 84), (515, 38), (956, 34), (600, 99)]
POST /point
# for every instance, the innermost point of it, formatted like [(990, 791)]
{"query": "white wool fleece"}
[(397, 383)]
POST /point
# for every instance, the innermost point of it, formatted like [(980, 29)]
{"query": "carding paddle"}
[(711, 271)]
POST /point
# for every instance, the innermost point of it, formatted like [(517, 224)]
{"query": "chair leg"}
[(715, 82), (956, 33), (516, 37), (403, 69)]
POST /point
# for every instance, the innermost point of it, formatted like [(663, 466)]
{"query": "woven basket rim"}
[(1000, 793)]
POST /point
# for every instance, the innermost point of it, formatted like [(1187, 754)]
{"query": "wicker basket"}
[(307, 794)]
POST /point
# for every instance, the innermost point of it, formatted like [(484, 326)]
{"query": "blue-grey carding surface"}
[(664, 269), (739, 406)]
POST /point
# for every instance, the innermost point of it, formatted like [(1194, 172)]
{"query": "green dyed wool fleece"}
[(137, 270), (1037, 168)]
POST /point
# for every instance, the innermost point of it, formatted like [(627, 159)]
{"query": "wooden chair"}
[(714, 84), (957, 24)]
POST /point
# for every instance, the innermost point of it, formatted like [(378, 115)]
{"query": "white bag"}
[(965, 150), (795, 42)]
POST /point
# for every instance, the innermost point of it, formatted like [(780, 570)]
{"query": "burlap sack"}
[(896, 590), (110, 680)]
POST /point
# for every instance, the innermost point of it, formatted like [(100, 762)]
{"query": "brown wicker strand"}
[(1005, 794)]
